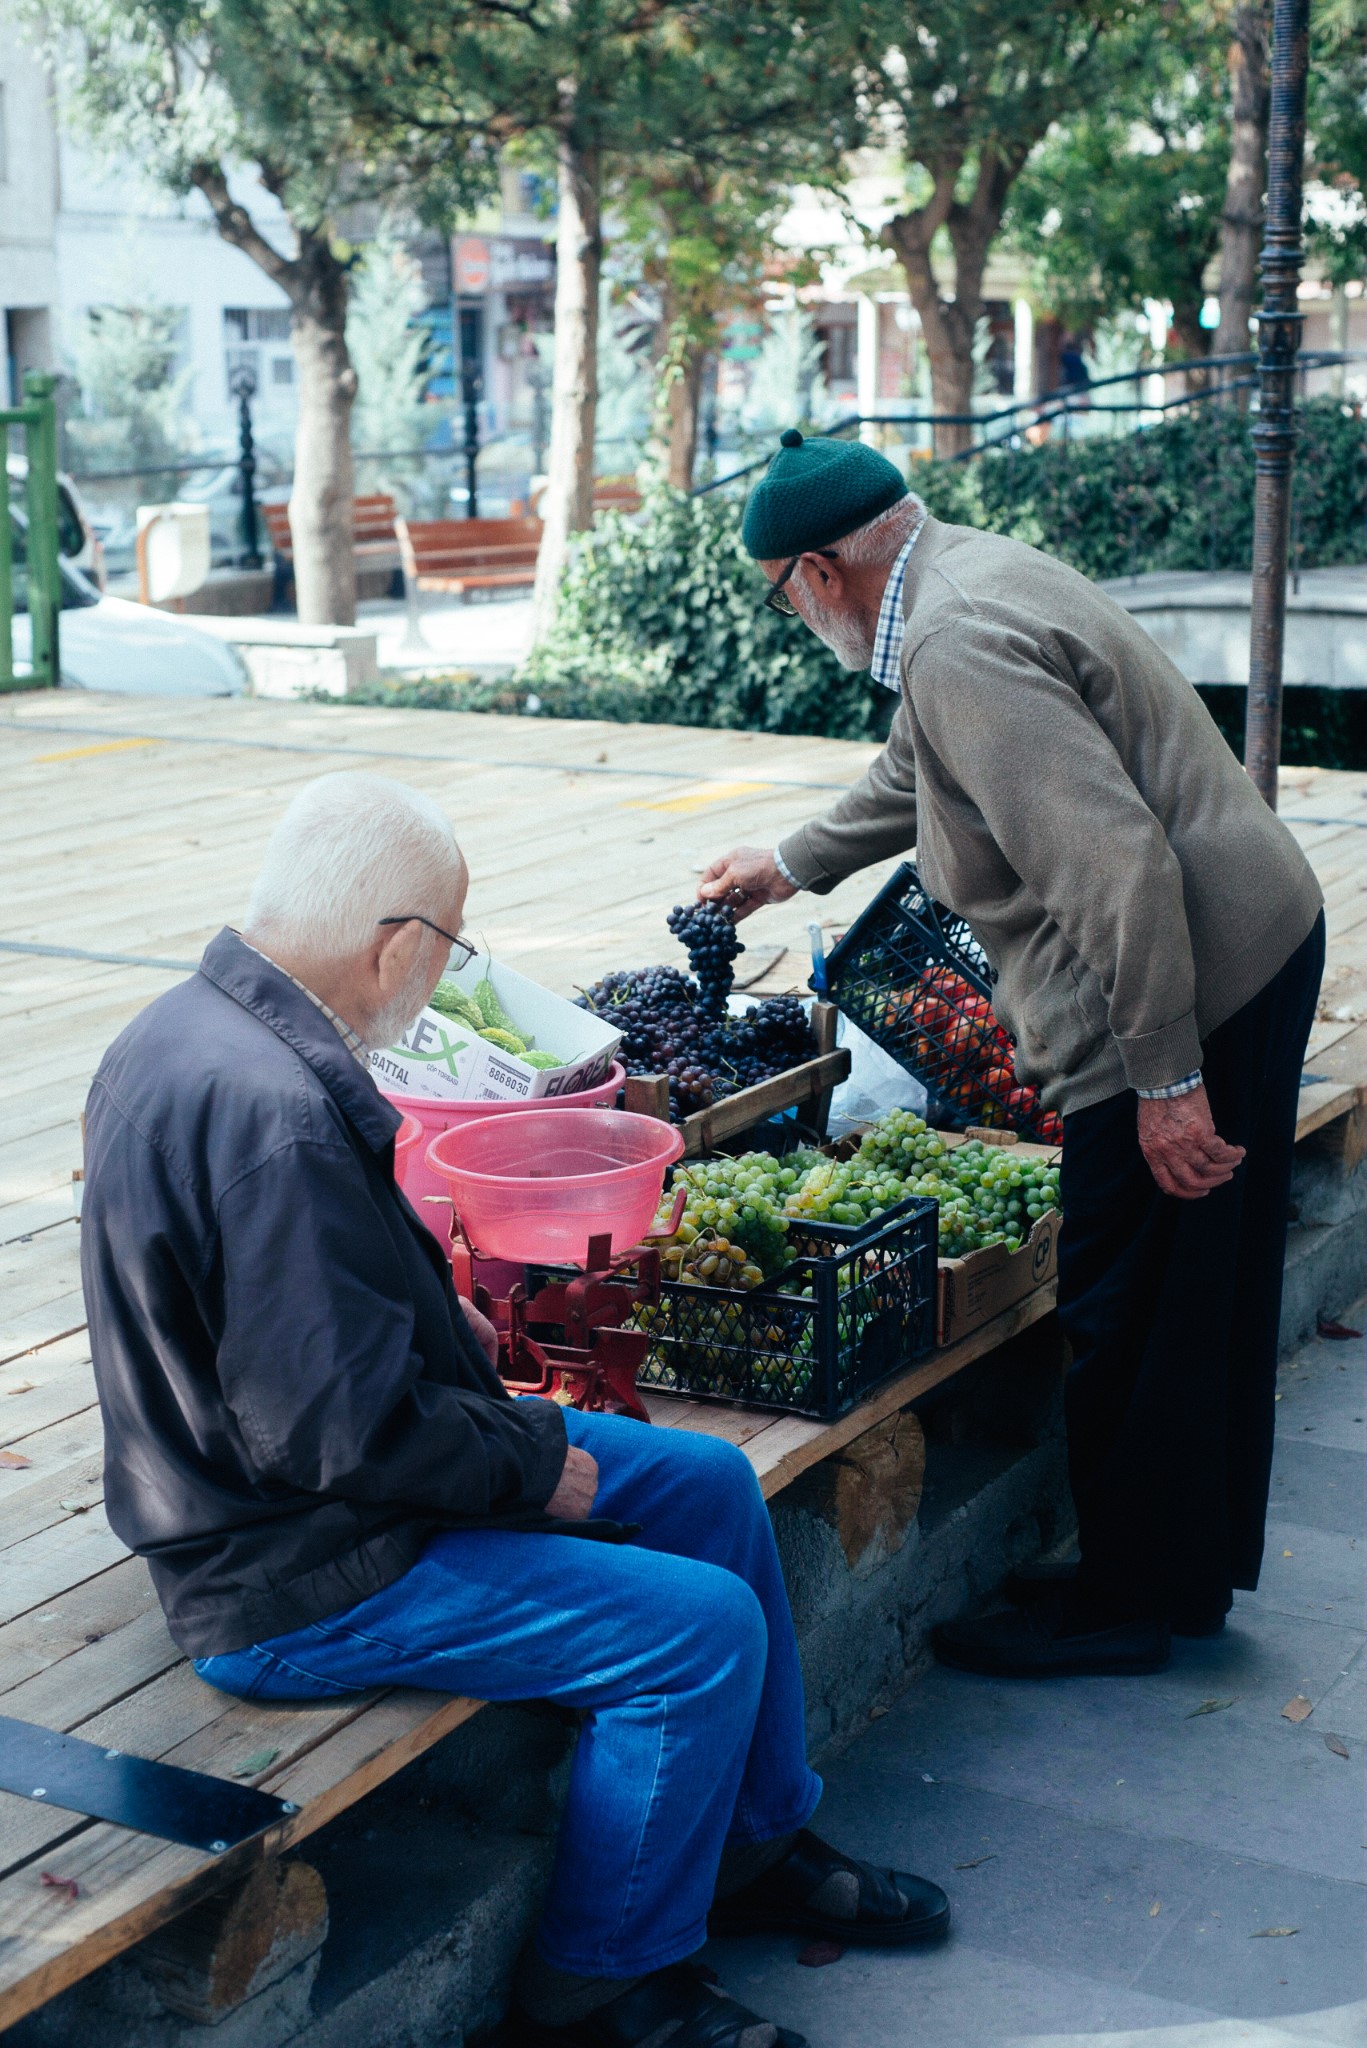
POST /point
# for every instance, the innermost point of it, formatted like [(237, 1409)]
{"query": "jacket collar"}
[(261, 987)]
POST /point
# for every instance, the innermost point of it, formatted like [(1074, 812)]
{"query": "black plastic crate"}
[(910, 973), (856, 1305)]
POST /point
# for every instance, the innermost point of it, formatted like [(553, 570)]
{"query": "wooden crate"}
[(807, 1086)]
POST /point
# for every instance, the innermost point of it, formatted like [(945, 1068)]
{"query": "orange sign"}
[(472, 264)]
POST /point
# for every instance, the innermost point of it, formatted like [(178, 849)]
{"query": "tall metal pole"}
[(1274, 433)]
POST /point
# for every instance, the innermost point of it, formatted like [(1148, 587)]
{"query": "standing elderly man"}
[(308, 1442), (1158, 940)]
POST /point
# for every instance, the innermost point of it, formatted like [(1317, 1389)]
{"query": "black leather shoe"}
[(893, 1909), (1198, 1625), (674, 2004), (1047, 1640), (1031, 1582)]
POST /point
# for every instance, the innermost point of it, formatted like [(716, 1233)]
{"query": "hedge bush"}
[(661, 619), (1177, 496)]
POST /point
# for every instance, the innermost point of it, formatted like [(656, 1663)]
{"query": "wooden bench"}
[(456, 556), (374, 541)]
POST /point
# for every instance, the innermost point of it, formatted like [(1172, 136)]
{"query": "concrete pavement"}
[(1126, 1857)]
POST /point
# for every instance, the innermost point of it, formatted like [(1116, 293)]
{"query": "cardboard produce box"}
[(981, 1285), (447, 1060)]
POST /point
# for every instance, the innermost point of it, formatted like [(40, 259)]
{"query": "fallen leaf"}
[(817, 1954), (259, 1760), (1298, 1708), (21, 1387), (990, 1857), (1155, 1909), (1337, 1744), (1209, 1707), (61, 1884), (1272, 1933), (1339, 1332), (14, 1461), (876, 1713)]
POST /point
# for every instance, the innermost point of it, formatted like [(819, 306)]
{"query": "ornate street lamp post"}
[(242, 386), (1274, 432)]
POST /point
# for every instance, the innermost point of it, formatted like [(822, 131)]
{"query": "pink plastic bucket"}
[(407, 1138), (416, 1177), (540, 1186)]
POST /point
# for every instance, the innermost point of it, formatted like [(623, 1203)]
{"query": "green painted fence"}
[(35, 558)]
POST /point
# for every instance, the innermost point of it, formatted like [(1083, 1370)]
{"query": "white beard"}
[(395, 1019), (849, 639)]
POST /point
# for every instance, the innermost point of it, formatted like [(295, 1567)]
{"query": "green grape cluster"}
[(987, 1195), (742, 1200)]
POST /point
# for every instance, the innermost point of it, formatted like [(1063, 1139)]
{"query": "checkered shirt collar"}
[(886, 666), (352, 1040)]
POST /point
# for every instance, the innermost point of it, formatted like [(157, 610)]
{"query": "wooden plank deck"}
[(131, 830)]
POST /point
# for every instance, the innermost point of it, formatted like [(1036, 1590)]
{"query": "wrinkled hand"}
[(1186, 1155), (483, 1332), (574, 1495), (747, 878)]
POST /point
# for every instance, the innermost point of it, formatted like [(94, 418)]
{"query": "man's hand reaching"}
[(574, 1496), (747, 879), (1186, 1155)]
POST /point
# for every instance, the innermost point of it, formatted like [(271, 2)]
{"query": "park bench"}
[(373, 536), (456, 556), (87, 1651)]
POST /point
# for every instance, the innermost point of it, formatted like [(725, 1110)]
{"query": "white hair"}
[(879, 541), (352, 849)]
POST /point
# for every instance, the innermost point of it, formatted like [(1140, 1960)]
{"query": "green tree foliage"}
[(966, 89), (1122, 201), (389, 352), (132, 399), (661, 618), (1337, 138), (1178, 496)]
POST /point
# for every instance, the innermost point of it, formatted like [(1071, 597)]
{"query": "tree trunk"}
[(1241, 231), (683, 402), (949, 325), (567, 503), (321, 502)]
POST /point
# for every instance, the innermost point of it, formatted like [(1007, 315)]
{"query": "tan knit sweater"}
[(1068, 793)]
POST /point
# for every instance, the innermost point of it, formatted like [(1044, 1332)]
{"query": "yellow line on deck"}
[(698, 799), (79, 753)]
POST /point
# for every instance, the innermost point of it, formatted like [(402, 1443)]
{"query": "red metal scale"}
[(593, 1361)]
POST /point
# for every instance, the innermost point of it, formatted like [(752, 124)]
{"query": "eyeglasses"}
[(776, 597), (461, 949)]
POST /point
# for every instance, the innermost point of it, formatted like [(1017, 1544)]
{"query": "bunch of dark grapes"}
[(709, 933), (679, 1027)]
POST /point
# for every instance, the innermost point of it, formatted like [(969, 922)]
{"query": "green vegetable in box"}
[(483, 1014)]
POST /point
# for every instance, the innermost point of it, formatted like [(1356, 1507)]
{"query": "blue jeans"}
[(679, 1646)]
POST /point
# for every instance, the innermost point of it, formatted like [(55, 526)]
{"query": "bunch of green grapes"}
[(846, 1191), (901, 1140), (742, 1200), (987, 1195)]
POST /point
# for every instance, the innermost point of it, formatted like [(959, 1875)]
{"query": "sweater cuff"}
[(797, 861), (1159, 1058)]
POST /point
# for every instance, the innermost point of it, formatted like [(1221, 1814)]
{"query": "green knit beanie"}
[(815, 492)]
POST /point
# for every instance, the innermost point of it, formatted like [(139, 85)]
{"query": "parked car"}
[(108, 643), (76, 536)]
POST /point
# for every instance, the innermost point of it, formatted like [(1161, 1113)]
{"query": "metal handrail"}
[(1062, 402)]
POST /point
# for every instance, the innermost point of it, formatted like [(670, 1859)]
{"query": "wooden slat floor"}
[(131, 828)]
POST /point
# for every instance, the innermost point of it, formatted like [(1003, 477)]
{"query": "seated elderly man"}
[(307, 1441)]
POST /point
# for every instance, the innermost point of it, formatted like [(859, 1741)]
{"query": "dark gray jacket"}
[(293, 1401)]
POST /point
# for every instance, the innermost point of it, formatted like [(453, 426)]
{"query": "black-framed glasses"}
[(461, 950), (776, 597)]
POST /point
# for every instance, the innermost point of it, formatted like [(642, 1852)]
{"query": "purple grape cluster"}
[(678, 1026)]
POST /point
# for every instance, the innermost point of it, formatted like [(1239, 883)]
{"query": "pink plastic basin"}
[(406, 1141), (540, 1186), (417, 1178)]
